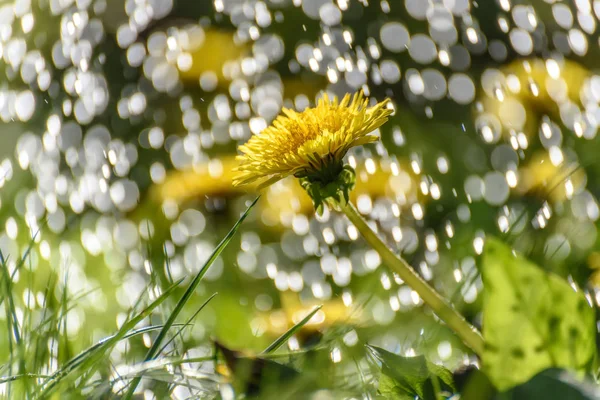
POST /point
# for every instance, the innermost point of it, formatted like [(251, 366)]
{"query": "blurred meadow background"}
[(120, 121)]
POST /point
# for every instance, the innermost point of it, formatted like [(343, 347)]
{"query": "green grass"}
[(77, 375), (151, 353), (44, 362)]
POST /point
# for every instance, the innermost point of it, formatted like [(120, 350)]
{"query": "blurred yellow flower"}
[(556, 182), (593, 261), (212, 55), (332, 313), (517, 95), (205, 179), (311, 143)]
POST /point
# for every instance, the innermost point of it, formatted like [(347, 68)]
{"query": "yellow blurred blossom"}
[(516, 95), (333, 312), (211, 55), (556, 182), (593, 261), (206, 179)]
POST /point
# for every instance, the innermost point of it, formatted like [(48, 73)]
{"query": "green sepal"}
[(335, 193)]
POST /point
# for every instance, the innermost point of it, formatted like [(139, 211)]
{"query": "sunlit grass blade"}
[(147, 329), (153, 352), (180, 380), (25, 255), (65, 354), (188, 322), (7, 278), (285, 337), (14, 331), (174, 336), (159, 364), (93, 353), (5, 379), (561, 180), (40, 346)]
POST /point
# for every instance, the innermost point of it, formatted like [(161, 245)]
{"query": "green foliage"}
[(553, 384), (407, 377), (261, 376), (258, 376), (473, 384), (532, 320), (88, 371)]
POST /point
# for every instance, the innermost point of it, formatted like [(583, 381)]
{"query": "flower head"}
[(310, 144)]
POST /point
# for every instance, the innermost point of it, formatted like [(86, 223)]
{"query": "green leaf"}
[(390, 388), (407, 377), (265, 379), (475, 386), (553, 384), (254, 375), (532, 320)]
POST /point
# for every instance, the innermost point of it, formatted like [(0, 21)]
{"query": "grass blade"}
[(5, 379), (14, 332), (90, 355), (9, 296), (152, 353), (284, 338), (188, 322)]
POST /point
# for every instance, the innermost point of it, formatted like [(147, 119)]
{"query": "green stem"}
[(469, 334)]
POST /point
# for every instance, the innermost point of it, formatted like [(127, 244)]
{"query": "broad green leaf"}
[(264, 379), (532, 320), (407, 377), (256, 375), (475, 386), (553, 384), (389, 388)]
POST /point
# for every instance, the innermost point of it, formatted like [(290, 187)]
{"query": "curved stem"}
[(468, 333)]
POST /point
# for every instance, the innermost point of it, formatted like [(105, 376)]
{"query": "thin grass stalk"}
[(153, 352), (290, 332)]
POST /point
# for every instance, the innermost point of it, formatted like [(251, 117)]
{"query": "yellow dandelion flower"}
[(310, 143)]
